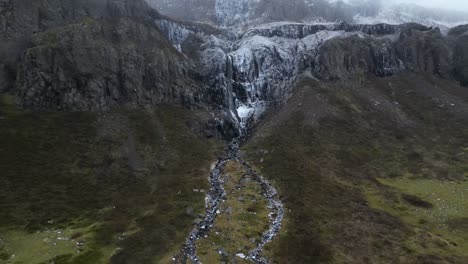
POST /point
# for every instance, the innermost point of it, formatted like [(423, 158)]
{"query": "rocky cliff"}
[(84, 55), (460, 54), (256, 67)]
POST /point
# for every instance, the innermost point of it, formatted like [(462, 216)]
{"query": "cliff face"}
[(20, 19), (95, 65), (414, 50), (85, 55), (460, 53), (257, 67)]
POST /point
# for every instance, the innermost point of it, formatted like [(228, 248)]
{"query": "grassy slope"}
[(77, 186), (372, 171)]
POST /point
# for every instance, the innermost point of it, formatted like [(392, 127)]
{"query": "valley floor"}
[(372, 170)]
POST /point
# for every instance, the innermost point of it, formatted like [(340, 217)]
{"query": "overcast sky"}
[(460, 5)]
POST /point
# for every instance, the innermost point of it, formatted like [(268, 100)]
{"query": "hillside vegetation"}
[(371, 171), (82, 187)]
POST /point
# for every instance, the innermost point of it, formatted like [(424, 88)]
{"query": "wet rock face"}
[(256, 69), (424, 51), (19, 19), (87, 55), (341, 58), (460, 59), (95, 66), (96, 54), (415, 50), (459, 39)]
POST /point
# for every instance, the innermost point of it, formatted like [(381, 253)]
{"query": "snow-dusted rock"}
[(256, 69)]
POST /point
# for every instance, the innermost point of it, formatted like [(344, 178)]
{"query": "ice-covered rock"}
[(254, 70), (175, 33)]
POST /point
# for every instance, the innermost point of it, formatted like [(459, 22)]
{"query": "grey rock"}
[(190, 211), (96, 66), (222, 251), (91, 55), (341, 58), (460, 59)]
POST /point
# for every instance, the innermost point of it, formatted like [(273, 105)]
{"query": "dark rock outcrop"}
[(86, 55), (94, 65), (460, 53), (424, 51), (342, 57), (417, 49)]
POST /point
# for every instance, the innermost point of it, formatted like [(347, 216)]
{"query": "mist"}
[(457, 5), (447, 13)]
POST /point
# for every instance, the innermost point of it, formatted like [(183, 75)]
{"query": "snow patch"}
[(400, 14)]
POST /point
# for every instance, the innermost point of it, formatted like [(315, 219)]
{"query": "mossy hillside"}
[(325, 150), (67, 172), (242, 220), (439, 228), (317, 205)]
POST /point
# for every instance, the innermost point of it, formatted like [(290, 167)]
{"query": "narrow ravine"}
[(217, 195)]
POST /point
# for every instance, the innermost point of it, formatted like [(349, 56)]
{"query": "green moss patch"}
[(439, 228)]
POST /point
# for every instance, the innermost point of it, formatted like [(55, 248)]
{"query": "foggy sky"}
[(460, 5)]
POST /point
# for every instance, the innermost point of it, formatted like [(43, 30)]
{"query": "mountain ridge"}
[(151, 59)]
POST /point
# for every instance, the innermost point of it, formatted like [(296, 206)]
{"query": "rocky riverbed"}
[(217, 196)]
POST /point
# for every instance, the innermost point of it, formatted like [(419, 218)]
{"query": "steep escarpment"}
[(21, 19), (124, 52), (413, 50), (93, 55), (460, 34), (256, 68), (82, 55), (94, 65)]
